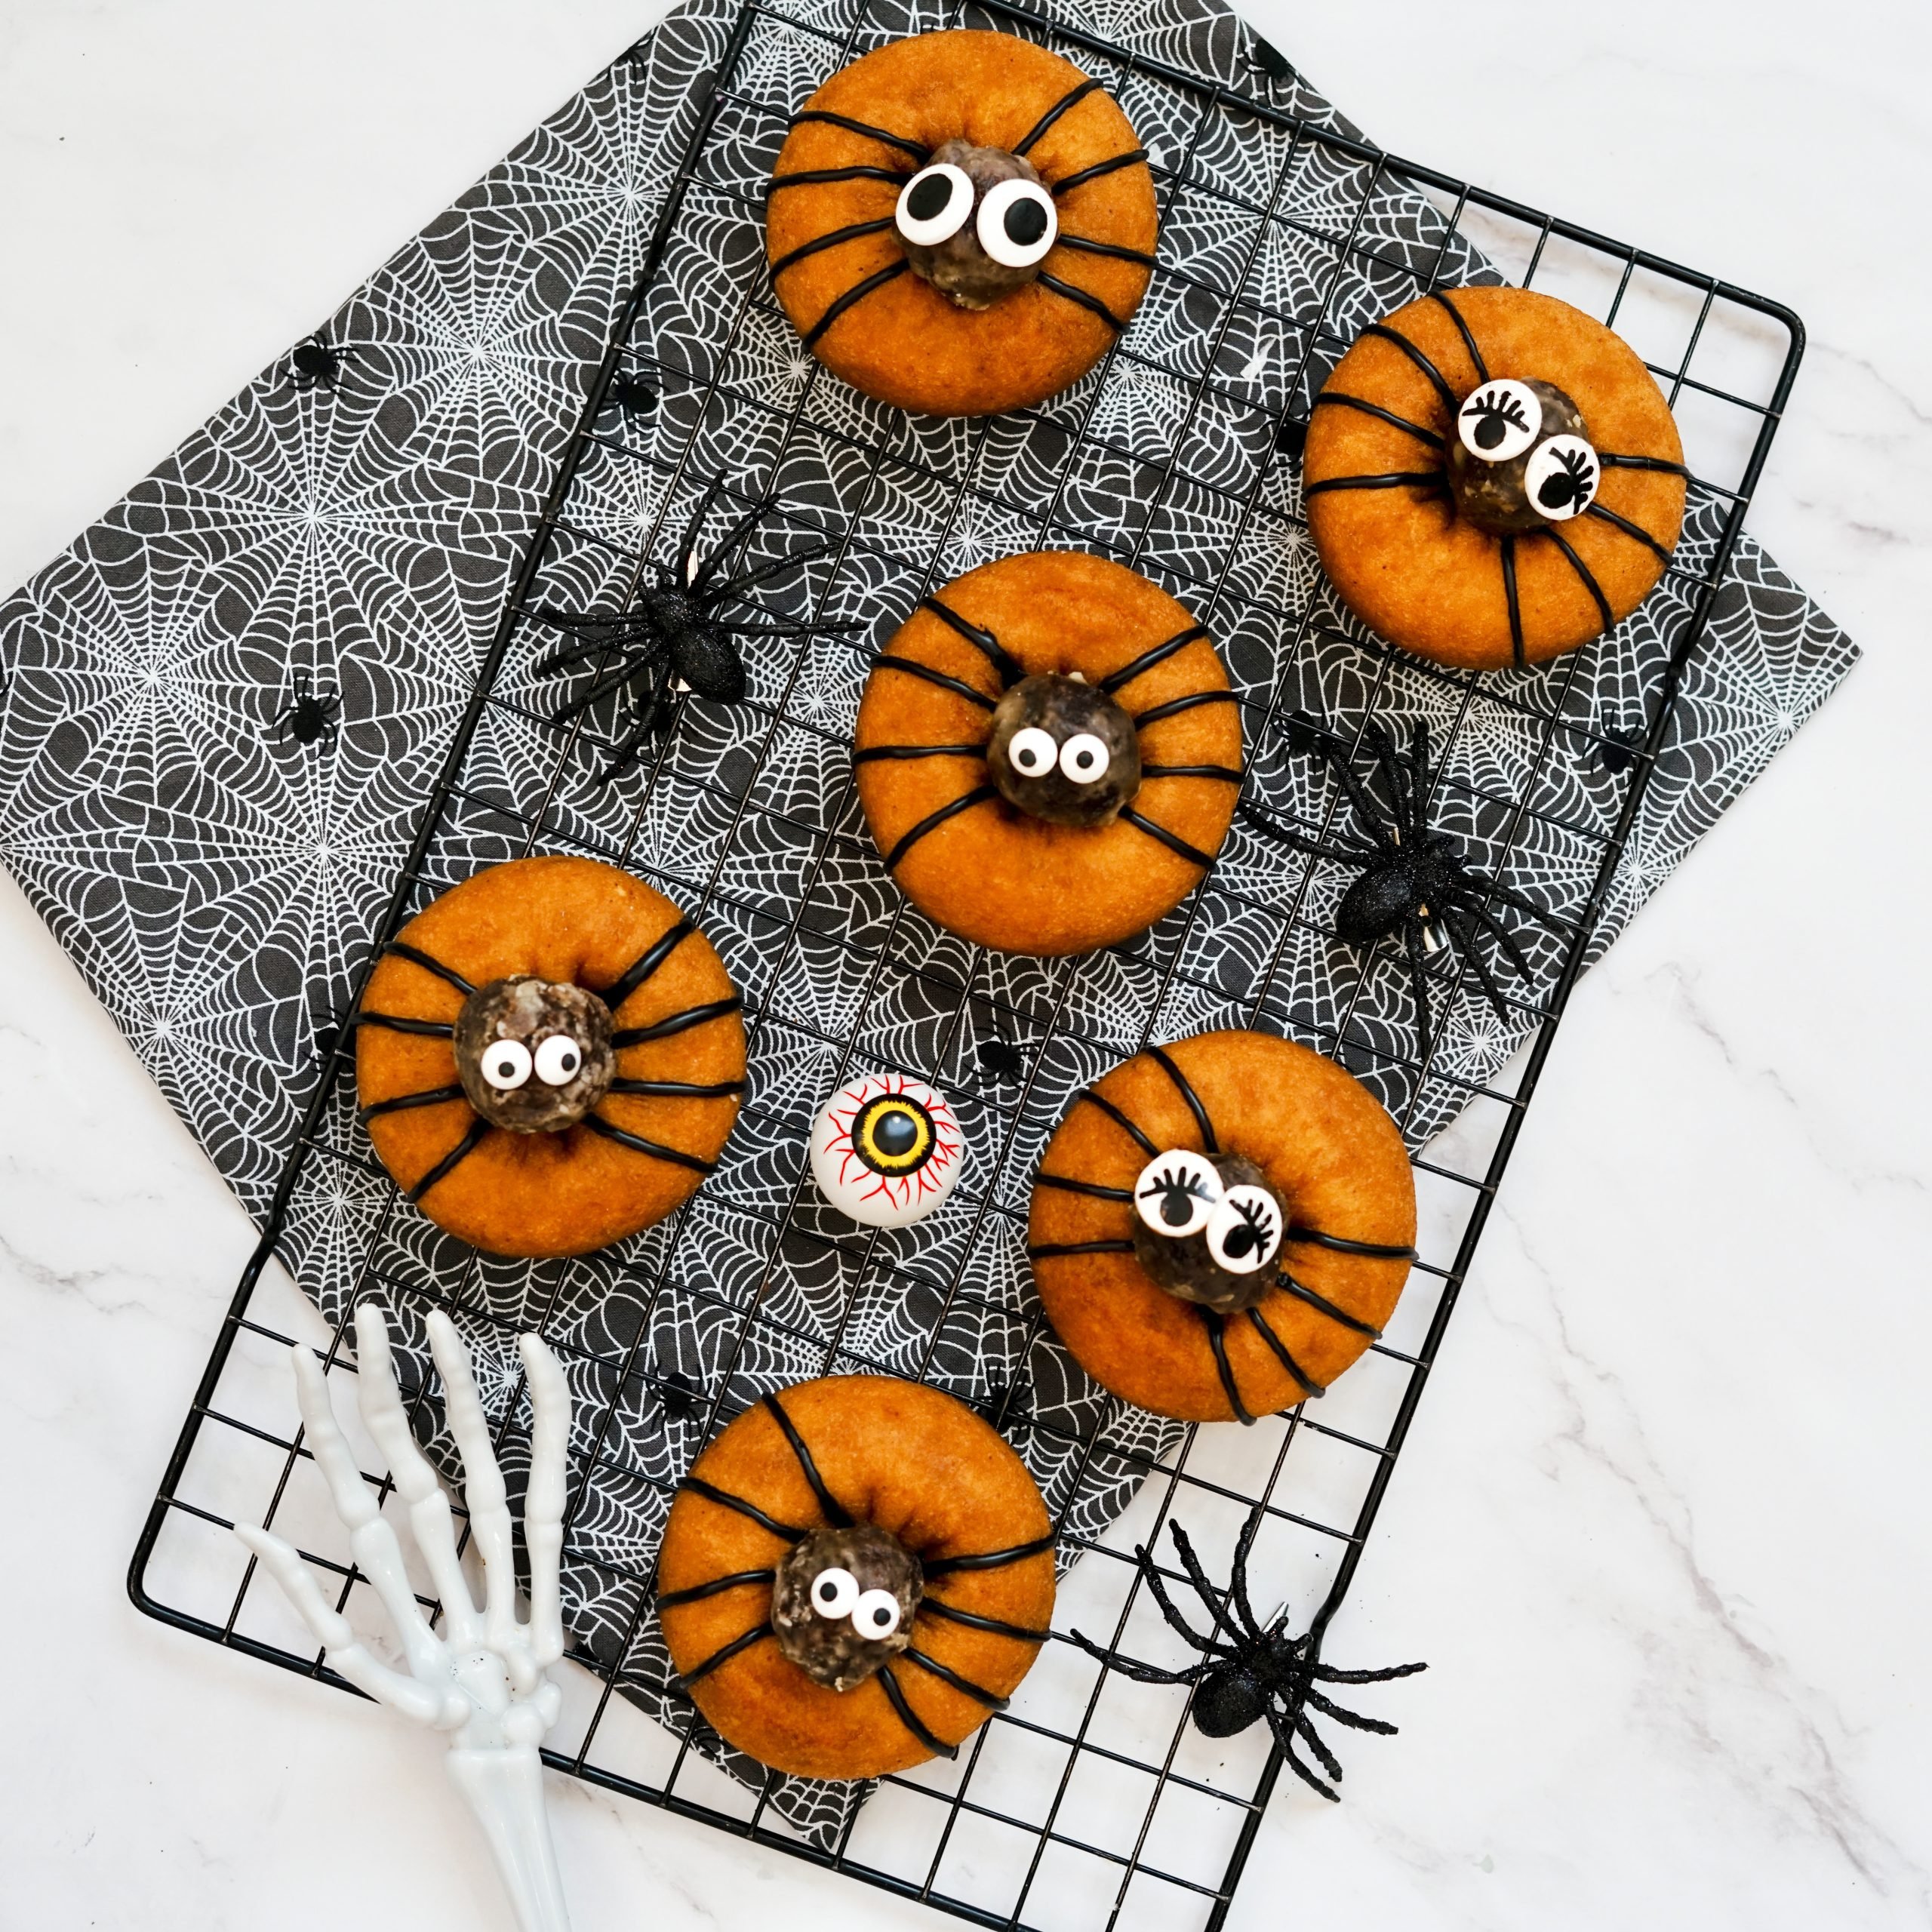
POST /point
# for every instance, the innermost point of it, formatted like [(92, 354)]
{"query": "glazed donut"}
[(1493, 477), (971, 734), (1178, 1195), (548, 1057), (854, 1574), (960, 223)]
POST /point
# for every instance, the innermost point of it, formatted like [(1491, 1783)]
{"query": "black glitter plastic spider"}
[(316, 363), (1415, 881), (671, 638), (1260, 1672), (310, 713)]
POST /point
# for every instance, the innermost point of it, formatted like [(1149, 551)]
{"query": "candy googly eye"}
[(1083, 758), (886, 1150), (558, 1060), (834, 1592), (1245, 1231), (1033, 753), (1560, 479), (505, 1064), (1177, 1193), (1018, 223), (1500, 421), (875, 1614), (934, 204)]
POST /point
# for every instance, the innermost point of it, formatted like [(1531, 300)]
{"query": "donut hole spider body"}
[(671, 637), (1249, 1671)]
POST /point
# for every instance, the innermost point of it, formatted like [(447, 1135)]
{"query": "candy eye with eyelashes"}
[(835, 1593), (1245, 1231), (1177, 1193), (1562, 477), (1017, 224), (1500, 420), (1083, 757), (1033, 753), (505, 1064), (875, 1614), (557, 1060), (933, 206)]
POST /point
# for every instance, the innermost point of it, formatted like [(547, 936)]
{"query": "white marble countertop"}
[(1659, 1527)]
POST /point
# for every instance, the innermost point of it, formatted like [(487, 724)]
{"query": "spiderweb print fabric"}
[(219, 871)]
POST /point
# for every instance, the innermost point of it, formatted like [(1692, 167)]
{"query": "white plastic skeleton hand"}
[(483, 1680)]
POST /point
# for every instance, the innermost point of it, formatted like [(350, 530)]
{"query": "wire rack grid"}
[(1091, 1801)]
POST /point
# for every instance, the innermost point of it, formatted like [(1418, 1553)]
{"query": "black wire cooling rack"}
[(1091, 1801)]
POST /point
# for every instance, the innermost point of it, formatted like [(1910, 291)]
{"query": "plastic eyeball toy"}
[(886, 1150)]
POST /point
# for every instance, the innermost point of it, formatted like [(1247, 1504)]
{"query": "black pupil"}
[(1489, 431), (1240, 1241), (929, 198), (1026, 221), (567, 1059), (896, 1133), (1175, 1207)]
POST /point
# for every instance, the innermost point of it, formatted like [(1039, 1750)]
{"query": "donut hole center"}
[(959, 267), (1187, 1267), (829, 1608), (534, 1056), (1495, 496), (1064, 751)]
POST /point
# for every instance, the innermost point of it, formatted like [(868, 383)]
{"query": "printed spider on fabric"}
[(1077, 769), (835, 1597), (316, 363), (1255, 1671), (1181, 1196), (672, 638), (530, 1057), (1018, 223), (310, 713), (1415, 883), (1499, 423)]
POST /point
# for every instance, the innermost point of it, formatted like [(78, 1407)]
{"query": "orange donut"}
[(1337, 1169), (668, 1048), (1399, 544), (882, 1455)]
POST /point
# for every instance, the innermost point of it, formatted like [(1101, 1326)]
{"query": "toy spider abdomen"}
[(898, 1457), (1337, 1165), (1545, 569), (982, 866), (839, 261), (589, 1153)]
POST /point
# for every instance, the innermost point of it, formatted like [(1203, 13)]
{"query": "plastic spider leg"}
[(1459, 923), (1473, 908), (1353, 1719), (655, 712), (1238, 1573), (1196, 1575), (1260, 822), (794, 560), (1419, 984), (1158, 1589), (735, 538), (687, 566), (1329, 748), (1140, 1673), (1284, 1736), (612, 680), (1329, 1676), (1496, 889)]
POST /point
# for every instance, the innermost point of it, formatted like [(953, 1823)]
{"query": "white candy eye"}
[(1083, 758), (1177, 1193), (1017, 224), (1244, 1232), (505, 1064), (834, 1593), (1561, 478), (1500, 421), (1031, 752), (933, 205), (876, 1614), (558, 1060)]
